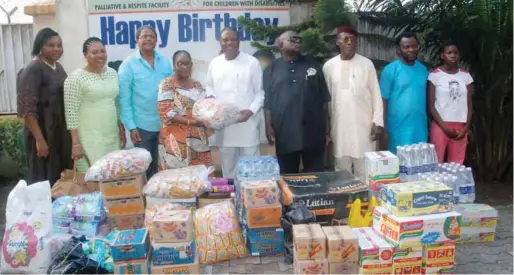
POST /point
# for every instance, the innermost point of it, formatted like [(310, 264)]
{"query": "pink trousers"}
[(456, 147)]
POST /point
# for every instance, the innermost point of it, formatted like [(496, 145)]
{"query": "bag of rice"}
[(26, 246), (185, 182), (218, 236), (218, 115), (117, 164)]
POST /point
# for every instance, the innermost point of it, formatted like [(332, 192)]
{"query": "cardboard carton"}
[(478, 222), (173, 226), (408, 260), (381, 168), (342, 268), (417, 198), (309, 242), (439, 258), (173, 253), (260, 193), (127, 222), (265, 242), (419, 230), (343, 245), (375, 253), (210, 198), (310, 266), (140, 266), (125, 207), (126, 187), (193, 268), (264, 217), (130, 245)]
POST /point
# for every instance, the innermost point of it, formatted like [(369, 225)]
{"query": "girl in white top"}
[(449, 102)]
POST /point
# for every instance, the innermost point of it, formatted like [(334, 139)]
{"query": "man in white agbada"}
[(236, 77), (356, 115)]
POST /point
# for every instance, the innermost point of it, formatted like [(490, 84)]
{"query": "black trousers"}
[(313, 161)]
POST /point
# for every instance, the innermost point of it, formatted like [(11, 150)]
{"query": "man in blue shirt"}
[(403, 84), (140, 75)]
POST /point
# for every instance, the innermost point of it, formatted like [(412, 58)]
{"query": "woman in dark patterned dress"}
[(40, 103)]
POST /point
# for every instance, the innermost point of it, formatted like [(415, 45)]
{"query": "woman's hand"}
[(42, 148), (123, 137), (449, 132), (77, 152), (463, 132)]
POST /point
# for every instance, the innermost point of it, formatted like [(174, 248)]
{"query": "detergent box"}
[(478, 222), (415, 231), (260, 193), (439, 258), (417, 198), (266, 241), (381, 168), (130, 245), (343, 245), (375, 253), (309, 242)]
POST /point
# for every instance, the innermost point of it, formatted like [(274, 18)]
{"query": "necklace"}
[(54, 67), (99, 74)]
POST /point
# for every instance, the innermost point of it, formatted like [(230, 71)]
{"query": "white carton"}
[(478, 222), (375, 253), (381, 168)]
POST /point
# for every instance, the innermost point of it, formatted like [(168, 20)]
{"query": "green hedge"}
[(9, 128)]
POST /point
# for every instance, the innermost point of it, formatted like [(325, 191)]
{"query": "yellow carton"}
[(417, 198), (439, 258), (408, 260)]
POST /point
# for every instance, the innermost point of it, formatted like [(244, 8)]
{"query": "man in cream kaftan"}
[(235, 77), (356, 110)]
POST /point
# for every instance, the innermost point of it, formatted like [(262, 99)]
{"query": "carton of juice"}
[(416, 231), (417, 198), (375, 253)]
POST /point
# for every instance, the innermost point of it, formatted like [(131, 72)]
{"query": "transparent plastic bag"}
[(218, 235), (218, 115), (117, 164), (186, 182), (26, 246), (81, 208)]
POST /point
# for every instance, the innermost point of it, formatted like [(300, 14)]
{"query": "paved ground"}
[(484, 258)]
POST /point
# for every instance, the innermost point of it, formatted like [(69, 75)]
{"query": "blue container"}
[(173, 253), (130, 245), (265, 242)]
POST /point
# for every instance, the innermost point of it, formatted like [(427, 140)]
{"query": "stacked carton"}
[(417, 218), (263, 211), (381, 168), (130, 251), (478, 222), (173, 245), (375, 253), (124, 202), (342, 248), (310, 249)]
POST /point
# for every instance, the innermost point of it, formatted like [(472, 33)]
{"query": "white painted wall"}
[(44, 21)]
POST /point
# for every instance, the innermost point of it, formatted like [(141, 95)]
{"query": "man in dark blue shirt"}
[(295, 108)]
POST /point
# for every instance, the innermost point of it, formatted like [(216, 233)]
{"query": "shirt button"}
[(292, 71), (294, 80)]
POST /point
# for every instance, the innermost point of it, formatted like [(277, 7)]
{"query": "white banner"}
[(191, 25)]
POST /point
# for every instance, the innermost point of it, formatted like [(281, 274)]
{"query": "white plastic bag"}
[(218, 115), (117, 164), (186, 182), (26, 247)]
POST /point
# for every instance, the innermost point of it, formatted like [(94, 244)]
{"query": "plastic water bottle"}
[(455, 185), (408, 163), (433, 157), (471, 182), (464, 188), (418, 162), (426, 158)]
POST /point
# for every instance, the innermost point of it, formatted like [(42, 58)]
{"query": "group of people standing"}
[(306, 106)]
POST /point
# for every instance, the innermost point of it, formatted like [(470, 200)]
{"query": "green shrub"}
[(9, 128)]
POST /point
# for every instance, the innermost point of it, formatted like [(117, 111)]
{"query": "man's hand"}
[(244, 115), (135, 136), (376, 132), (328, 140), (270, 135)]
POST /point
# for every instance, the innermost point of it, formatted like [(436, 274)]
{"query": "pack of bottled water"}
[(415, 159), (258, 168), (458, 177)]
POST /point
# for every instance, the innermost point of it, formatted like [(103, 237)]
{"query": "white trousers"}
[(353, 165), (230, 156)]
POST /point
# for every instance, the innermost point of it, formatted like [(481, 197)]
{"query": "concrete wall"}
[(44, 21)]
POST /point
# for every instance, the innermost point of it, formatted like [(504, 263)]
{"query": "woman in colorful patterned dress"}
[(92, 109), (183, 141)]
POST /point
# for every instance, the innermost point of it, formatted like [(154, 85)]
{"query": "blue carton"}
[(130, 245), (173, 253), (265, 242)]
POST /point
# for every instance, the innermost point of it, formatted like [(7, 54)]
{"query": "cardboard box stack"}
[(342, 249), (130, 251), (173, 245), (124, 202), (381, 168), (375, 253), (310, 249), (417, 218), (263, 211), (478, 222)]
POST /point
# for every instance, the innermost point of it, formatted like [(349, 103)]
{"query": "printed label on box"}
[(172, 226)]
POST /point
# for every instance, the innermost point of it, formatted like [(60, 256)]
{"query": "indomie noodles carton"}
[(375, 253), (439, 258), (419, 230)]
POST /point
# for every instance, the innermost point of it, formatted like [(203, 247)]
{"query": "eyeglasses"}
[(184, 65), (295, 39)]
